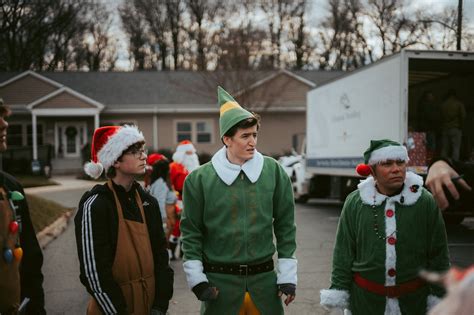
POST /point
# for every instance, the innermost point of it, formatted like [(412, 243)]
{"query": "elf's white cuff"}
[(431, 302), (194, 271), (286, 271), (333, 298)]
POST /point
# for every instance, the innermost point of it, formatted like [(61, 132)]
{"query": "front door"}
[(71, 138)]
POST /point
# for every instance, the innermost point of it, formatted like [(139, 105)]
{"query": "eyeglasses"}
[(138, 153)]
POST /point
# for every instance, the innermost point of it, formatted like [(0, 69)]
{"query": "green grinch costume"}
[(383, 242), (230, 214)]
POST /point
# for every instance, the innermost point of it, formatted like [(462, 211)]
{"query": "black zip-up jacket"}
[(31, 278), (96, 225)]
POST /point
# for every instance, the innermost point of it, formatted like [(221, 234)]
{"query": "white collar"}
[(228, 172), (410, 192)]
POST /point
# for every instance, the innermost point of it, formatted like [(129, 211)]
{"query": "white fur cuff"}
[(194, 271), (431, 302), (334, 298), (286, 271)]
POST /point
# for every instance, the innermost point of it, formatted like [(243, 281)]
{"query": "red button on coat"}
[(392, 240), (392, 272), (13, 227), (389, 213)]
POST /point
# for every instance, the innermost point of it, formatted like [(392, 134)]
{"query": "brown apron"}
[(133, 267), (9, 273)]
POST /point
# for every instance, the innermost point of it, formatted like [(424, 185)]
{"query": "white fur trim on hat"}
[(94, 170), (185, 147), (391, 152), (116, 144)]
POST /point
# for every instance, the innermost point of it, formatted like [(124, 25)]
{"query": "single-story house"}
[(55, 113)]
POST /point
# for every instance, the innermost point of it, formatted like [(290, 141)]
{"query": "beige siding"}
[(64, 100), (167, 132), (25, 90), (275, 137), (283, 90), (277, 130)]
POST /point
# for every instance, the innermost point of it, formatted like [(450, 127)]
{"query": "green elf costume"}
[(227, 226), (382, 243)]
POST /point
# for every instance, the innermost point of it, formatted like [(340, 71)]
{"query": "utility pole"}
[(459, 32)]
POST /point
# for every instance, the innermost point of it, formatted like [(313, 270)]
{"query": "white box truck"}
[(376, 102)]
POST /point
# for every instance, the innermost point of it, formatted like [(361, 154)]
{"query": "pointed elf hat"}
[(108, 144), (379, 151), (231, 112)]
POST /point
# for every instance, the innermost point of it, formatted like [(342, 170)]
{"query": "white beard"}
[(191, 162)]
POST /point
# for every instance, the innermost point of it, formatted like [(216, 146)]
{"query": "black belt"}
[(240, 270)]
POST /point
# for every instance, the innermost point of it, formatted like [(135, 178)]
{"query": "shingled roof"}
[(163, 87)]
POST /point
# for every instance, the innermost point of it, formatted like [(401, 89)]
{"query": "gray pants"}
[(451, 143)]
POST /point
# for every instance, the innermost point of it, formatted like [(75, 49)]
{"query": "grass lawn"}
[(43, 212), (34, 181)]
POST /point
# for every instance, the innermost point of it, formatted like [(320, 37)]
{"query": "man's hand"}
[(289, 289), (204, 291), (439, 176)]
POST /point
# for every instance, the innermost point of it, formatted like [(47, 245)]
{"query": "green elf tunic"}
[(230, 214), (418, 241)]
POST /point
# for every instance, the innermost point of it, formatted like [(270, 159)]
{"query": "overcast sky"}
[(318, 12)]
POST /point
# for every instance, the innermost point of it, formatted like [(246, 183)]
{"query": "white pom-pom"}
[(94, 170)]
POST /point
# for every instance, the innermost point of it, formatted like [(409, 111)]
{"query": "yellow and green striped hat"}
[(231, 112)]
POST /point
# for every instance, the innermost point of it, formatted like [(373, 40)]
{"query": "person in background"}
[(21, 280), (234, 207), (389, 229), (453, 115), (429, 120), (119, 234), (160, 188), (185, 160)]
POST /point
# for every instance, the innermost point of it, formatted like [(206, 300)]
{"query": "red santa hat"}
[(108, 144), (185, 146), (155, 157)]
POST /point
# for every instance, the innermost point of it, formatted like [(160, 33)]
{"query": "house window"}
[(39, 134), (203, 132), (199, 131), (184, 131), (15, 135)]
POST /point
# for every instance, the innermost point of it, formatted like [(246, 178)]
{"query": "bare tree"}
[(101, 52), (342, 44), (440, 30), (133, 23), (47, 35), (395, 28), (297, 35), (204, 16), (174, 14), (156, 16)]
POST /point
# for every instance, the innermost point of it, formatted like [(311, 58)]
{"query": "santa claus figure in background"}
[(185, 160)]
